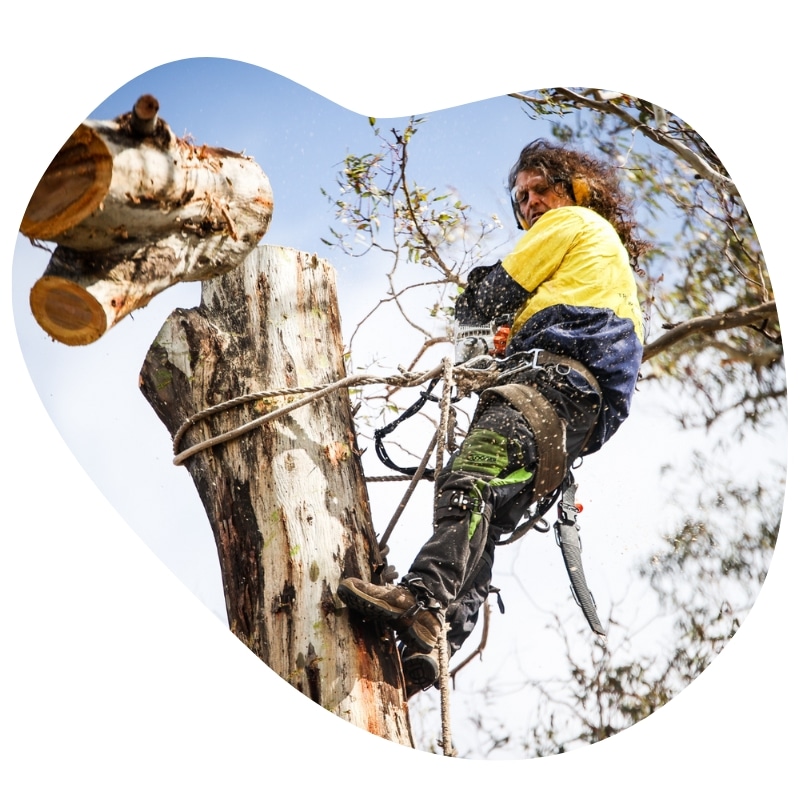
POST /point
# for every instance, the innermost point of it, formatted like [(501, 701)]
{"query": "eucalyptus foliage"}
[(713, 343), (707, 263)]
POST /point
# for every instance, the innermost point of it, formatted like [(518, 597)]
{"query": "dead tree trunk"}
[(133, 211), (287, 502)]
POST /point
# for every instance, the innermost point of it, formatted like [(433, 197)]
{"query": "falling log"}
[(134, 210), (287, 502)]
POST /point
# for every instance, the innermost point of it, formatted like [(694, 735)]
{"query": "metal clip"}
[(529, 359), (482, 362), (461, 500)]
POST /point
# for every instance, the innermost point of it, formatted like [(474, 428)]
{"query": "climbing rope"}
[(313, 392), (443, 653), (466, 379), (444, 441)]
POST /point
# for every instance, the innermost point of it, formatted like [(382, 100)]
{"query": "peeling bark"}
[(287, 502)]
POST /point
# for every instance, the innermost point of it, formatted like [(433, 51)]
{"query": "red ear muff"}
[(581, 191)]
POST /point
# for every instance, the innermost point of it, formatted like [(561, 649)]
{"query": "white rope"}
[(472, 379), (442, 438), (314, 393), (444, 691), (465, 378)]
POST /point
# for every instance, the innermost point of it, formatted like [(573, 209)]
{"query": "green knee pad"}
[(483, 452)]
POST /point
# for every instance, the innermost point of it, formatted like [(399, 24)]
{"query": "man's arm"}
[(490, 293)]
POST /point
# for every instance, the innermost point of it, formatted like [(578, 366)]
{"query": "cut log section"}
[(133, 211)]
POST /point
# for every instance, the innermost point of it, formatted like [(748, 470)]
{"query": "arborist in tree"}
[(566, 380)]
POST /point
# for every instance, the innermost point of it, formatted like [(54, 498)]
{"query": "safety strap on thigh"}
[(549, 431)]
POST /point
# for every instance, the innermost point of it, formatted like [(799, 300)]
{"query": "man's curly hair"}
[(560, 165)]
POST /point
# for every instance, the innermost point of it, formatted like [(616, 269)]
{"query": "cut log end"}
[(74, 185), (66, 311)]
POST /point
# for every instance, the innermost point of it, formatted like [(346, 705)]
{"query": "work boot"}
[(420, 670), (396, 605)]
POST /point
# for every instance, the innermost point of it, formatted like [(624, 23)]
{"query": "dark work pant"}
[(481, 495)]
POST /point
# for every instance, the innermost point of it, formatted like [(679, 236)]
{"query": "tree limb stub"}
[(134, 210)]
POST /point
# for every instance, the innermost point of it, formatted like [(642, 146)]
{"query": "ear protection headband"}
[(581, 193)]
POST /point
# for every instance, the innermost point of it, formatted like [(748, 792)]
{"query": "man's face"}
[(534, 196)]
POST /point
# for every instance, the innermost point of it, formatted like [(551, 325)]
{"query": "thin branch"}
[(392, 298), (699, 164), (481, 645), (429, 247), (425, 345)]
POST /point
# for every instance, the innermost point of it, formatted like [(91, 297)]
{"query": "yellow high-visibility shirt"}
[(572, 256)]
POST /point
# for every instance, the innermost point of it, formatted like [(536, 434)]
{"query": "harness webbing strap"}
[(380, 448), (548, 428), (549, 431)]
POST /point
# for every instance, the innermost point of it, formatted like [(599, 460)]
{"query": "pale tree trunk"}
[(134, 210), (287, 501)]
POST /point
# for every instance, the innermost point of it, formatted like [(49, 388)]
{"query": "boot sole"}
[(366, 605), (420, 672), (371, 608)]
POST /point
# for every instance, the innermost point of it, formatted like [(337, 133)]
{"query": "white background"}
[(116, 681)]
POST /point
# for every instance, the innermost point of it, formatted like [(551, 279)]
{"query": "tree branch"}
[(717, 322), (481, 646), (660, 137), (432, 252)]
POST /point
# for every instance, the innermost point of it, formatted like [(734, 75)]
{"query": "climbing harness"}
[(492, 377), (378, 436), (554, 478)]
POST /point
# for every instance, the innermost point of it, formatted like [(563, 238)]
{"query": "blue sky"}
[(299, 138), (74, 612)]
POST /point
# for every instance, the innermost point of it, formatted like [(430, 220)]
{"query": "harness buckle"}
[(462, 500), (529, 359)]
